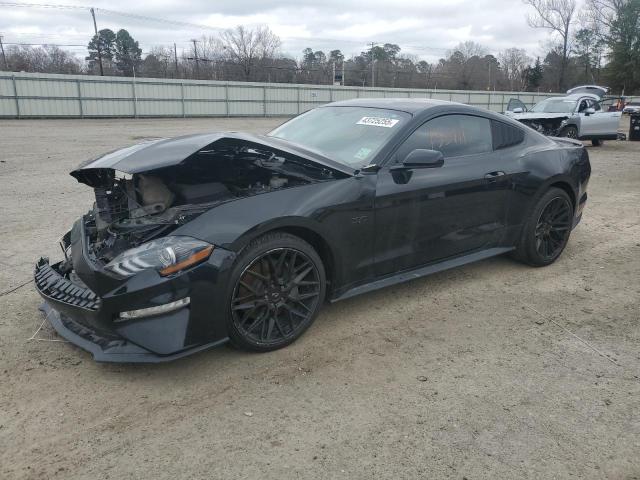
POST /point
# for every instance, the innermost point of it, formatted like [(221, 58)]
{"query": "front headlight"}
[(168, 255)]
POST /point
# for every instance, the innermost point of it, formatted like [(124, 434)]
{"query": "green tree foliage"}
[(128, 54), (534, 75), (624, 44), (101, 45)]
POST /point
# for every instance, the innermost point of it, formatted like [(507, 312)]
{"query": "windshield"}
[(348, 135), (555, 105)]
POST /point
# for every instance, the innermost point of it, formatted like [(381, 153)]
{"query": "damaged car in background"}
[(203, 239), (579, 115)]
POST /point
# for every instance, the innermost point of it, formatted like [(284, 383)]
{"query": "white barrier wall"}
[(25, 95)]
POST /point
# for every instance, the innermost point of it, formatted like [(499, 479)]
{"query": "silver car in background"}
[(579, 115)]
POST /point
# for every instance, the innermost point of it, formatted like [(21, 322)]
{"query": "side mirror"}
[(423, 158), (517, 110), (590, 111)]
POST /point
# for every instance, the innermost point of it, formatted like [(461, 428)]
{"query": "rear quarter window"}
[(505, 135)]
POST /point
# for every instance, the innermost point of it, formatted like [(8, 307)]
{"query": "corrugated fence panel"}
[(315, 95), (47, 107), (6, 87), (50, 95), (346, 94), (207, 109), (8, 107), (156, 90), (441, 95), (159, 108), (108, 108), (246, 108), (281, 108), (242, 92), (204, 92), (104, 89), (282, 95), (46, 88)]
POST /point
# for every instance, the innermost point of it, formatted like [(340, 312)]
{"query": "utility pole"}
[(344, 79), (195, 54), (373, 65), (4, 58), (333, 76), (95, 29), (175, 58)]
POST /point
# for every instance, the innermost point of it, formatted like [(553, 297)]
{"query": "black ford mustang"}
[(202, 239)]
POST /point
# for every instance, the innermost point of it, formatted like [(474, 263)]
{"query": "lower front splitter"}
[(109, 349)]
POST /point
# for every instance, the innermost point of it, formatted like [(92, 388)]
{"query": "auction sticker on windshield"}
[(378, 121)]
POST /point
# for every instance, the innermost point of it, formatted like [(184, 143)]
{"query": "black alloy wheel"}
[(547, 229), (553, 227), (276, 296)]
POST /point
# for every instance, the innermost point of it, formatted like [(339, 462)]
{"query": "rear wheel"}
[(569, 132), (546, 232), (278, 288)]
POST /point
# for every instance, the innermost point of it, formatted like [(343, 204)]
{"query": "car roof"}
[(408, 105)]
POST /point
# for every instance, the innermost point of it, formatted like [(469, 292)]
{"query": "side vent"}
[(505, 135)]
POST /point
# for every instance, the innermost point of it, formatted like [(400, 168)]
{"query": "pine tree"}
[(102, 46), (127, 53)]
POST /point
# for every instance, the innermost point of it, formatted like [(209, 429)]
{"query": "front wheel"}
[(596, 142), (546, 232), (569, 132), (278, 287)]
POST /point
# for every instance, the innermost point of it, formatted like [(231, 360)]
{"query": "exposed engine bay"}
[(547, 126), (131, 209)]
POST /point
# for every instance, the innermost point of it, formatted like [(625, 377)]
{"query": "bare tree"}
[(45, 59), (464, 63), (557, 16), (247, 47), (514, 62), (469, 49)]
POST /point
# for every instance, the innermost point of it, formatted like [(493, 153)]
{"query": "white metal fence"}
[(33, 95)]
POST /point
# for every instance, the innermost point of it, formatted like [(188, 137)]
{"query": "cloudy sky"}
[(426, 28)]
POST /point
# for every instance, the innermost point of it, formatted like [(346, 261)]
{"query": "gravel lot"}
[(452, 376)]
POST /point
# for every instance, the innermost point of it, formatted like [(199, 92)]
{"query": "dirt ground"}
[(479, 372)]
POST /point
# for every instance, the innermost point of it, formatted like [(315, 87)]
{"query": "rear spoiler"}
[(567, 142)]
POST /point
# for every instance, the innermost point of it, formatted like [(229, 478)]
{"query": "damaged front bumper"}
[(86, 308)]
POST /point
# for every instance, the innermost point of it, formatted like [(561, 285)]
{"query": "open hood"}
[(160, 153)]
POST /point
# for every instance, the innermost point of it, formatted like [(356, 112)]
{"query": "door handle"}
[(494, 176)]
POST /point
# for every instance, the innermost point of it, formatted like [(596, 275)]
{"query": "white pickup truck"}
[(579, 115)]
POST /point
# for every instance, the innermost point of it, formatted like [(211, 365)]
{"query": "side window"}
[(596, 105), (583, 106), (453, 135)]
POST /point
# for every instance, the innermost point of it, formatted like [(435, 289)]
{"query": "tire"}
[(277, 287), (569, 131), (546, 232), (597, 143)]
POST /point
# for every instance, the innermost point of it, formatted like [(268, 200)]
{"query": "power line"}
[(42, 5), (46, 43), (200, 26)]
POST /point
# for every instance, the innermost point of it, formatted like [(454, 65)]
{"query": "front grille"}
[(53, 285)]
